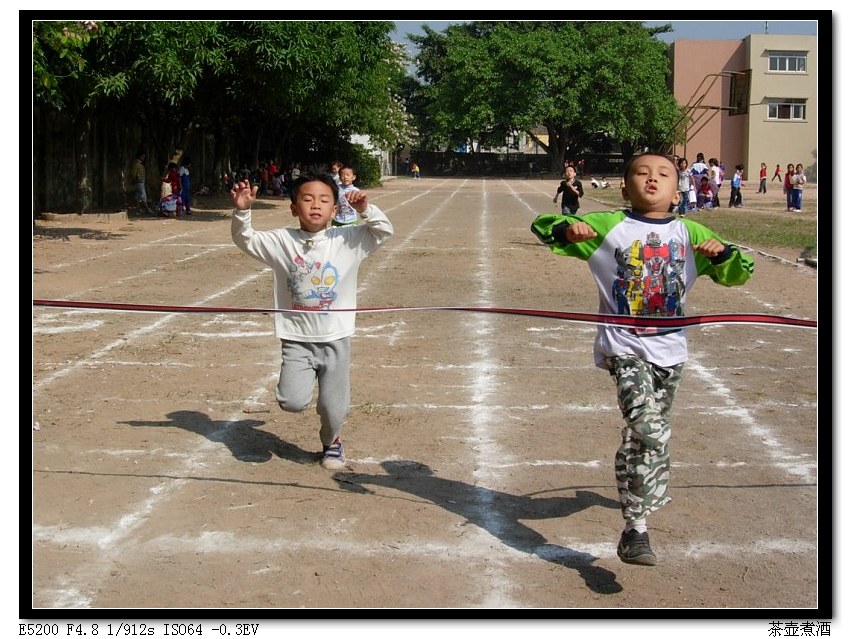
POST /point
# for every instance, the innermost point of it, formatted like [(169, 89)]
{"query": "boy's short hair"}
[(631, 161), (325, 178)]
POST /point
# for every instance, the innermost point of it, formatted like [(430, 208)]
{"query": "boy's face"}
[(347, 176), (314, 206), (651, 185), (570, 173)]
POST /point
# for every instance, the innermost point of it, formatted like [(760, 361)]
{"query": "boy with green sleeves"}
[(644, 260)]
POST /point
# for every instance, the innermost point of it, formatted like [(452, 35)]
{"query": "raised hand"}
[(358, 200), (243, 195)]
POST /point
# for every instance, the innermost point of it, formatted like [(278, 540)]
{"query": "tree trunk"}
[(82, 156), (221, 158), (557, 148)]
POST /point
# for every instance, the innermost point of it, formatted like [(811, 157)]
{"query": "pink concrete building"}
[(781, 120)]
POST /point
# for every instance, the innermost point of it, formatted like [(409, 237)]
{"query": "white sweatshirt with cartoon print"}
[(313, 271)]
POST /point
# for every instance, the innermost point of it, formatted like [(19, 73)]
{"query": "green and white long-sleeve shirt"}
[(643, 267)]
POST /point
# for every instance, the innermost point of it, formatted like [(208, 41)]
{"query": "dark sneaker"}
[(333, 457), (634, 548)]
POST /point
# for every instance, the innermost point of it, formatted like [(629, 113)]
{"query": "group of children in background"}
[(175, 197), (698, 186)]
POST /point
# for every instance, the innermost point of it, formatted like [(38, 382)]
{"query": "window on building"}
[(787, 61), (787, 109)]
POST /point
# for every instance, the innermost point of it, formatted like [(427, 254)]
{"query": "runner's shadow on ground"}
[(496, 512), (243, 438)]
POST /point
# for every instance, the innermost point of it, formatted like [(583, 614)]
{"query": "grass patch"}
[(769, 226)]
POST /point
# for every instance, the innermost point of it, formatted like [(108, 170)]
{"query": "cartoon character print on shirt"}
[(627, 287), (649, 279), (312, 284)]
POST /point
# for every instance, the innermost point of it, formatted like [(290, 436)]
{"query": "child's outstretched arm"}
[(710, 248), (243, 195), (724, 263), (579, 232), (376, 221)]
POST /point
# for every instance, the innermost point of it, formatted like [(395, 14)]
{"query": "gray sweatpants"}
[(303, 363)]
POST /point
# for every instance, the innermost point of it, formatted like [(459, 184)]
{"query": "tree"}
[(260, 87), (61, 82), (573, 78)]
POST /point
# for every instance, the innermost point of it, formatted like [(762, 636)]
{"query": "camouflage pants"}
[(642, 463)]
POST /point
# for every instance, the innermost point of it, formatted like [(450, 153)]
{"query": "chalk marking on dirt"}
[(108, 539), (153, 270), (520, 199), (228, 542), (395, 247), (135, 334), (482, 414), (134, 247), (233, 334), (783, 458)]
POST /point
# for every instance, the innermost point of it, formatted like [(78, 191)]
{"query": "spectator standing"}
[(185, 185), (263, 173), (763, 178), (715, 178), (797, 182), (736, 187), (138, 175), (699, 167), (685, 184), (787, 186)]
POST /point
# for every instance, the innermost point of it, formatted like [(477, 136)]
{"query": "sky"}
[(683, 29)]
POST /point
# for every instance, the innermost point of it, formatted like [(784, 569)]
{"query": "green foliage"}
[(367, 167), (280, 78), (576, 79), (59, 59)]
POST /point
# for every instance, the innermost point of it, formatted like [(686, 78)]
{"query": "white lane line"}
[(799, 465), (134, 335), (395, 247), (80, 588), (484, 417), (225, 542), (134, 247)]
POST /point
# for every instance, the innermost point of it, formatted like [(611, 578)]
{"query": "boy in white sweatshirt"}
[(315, 268)]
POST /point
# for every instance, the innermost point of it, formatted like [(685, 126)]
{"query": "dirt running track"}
[(480, 446)]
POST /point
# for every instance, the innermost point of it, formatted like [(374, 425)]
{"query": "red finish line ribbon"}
[(586, 318)]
